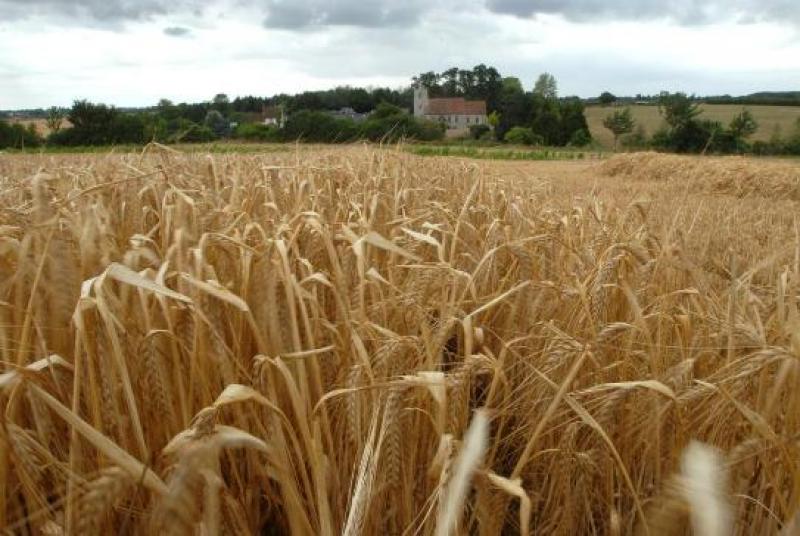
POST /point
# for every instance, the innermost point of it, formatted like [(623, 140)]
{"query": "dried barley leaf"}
[(123, 274), (121, 457)]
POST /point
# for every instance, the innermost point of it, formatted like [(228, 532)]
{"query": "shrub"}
[(477, 132), (690, 137), (384, 110), (190, 132), (766, 148), (155, 127), (548, 126), (743, 125), (637, 139), (127, 128), (580, 138), (426, 130), (64, 137), (257, 132), (17, 136), (307, 125), (661, 139), (523, 136), (382, 127), (573, 119), (620, 122)]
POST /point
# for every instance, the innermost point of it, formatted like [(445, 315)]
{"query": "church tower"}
[(420, 100)]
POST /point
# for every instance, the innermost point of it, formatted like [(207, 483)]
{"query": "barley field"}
[(364, 341), (769, 118)]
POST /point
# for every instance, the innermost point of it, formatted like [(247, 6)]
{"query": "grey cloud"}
[(177, 31), (688, 12), (303, 14), (285, 14), (298, 14), (97, 11)]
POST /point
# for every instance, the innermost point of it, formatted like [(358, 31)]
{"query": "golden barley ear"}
[(99, 499)]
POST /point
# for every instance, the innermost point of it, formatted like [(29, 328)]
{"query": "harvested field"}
[(298, 342), (771, 119)]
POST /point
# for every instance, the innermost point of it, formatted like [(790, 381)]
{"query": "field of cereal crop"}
[(363, 341)]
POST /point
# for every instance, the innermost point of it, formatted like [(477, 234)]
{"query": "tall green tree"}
[(428, 80), (217, 123), (449, 82), (743, 125), (92, 124), (221, 103), (513, 107), (607, 98), (619, 123), (99, 124), (546, 121), (55, 118), (306, 101), (574, 128), (466, 83), (359, 100), (685, 132), (546, 86), (488, 85), (512, 83), (677, 109)]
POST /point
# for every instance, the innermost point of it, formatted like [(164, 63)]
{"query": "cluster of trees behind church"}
[(538, 116)]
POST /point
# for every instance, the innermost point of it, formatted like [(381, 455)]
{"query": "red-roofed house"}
[(457, 113)]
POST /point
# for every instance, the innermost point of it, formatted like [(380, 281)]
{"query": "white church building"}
[(457, 113)]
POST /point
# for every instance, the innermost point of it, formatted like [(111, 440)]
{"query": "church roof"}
[(456, 106)]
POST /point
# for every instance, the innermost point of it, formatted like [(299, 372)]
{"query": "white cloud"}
[(44, 62), (685, 12)]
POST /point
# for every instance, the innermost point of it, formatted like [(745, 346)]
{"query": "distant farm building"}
[(457, 113), (272, 115), (349, 113)]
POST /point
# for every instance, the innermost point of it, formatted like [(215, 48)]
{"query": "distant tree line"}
[(766, 98), (536, 117), (539, 116), (361, 100), (94, 124)]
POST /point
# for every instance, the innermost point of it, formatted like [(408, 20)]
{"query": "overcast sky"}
[(134, 52)]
